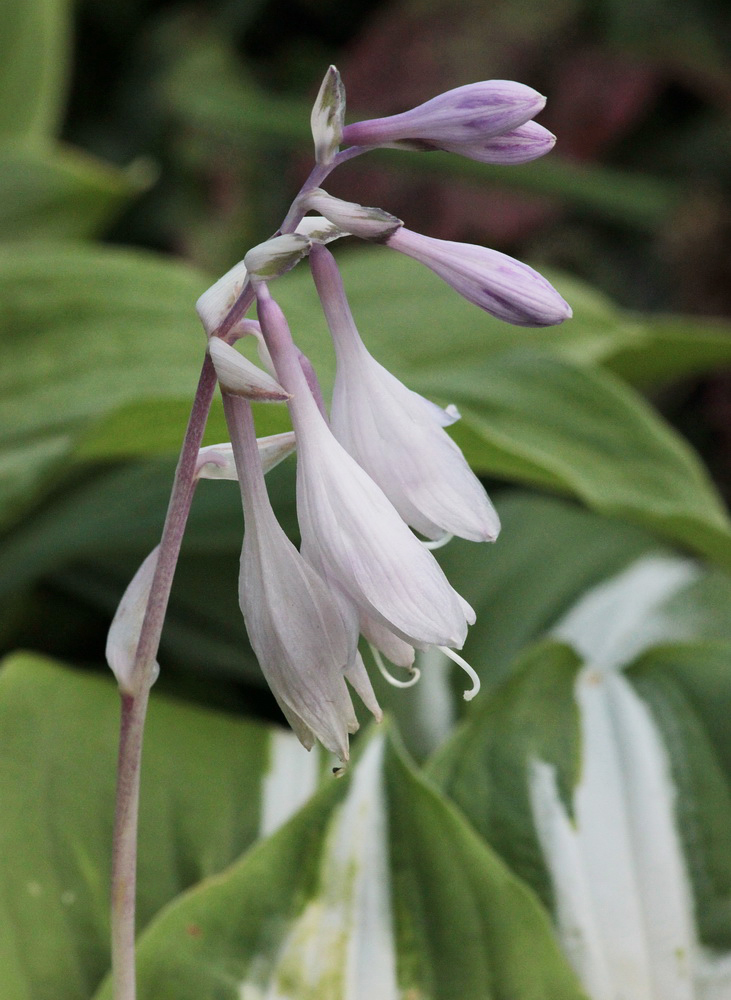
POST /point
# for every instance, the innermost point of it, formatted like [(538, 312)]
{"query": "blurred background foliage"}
[(182, 129)]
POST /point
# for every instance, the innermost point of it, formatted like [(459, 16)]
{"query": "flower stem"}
[(124, 848), (134, 705)]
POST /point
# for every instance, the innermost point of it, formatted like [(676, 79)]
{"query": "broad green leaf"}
[(603, 790), (545, 421), (84, 332), (378, 888), (49, 193), (702, 670), (211, 785), (703, 802), (483, 767), (672, 347), (34, 52)]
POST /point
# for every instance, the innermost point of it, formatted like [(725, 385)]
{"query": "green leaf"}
[(483, 767), (210, 786), (377, 888), (672, 347), (85, 332), (603, 790), (34, 54), (703, 802), (547, 422), (548, 554), (50, 193)]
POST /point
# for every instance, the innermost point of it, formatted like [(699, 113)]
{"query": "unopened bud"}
[(327, 117)]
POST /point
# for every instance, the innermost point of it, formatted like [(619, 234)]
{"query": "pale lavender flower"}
[(304, 643), (502, 286), (462, 121), (396, 435), (351, 533)]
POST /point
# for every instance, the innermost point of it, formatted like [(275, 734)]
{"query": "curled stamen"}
[(437, 543), (414, 672), (470, 694)]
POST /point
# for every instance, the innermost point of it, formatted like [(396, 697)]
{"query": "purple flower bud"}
[(520, 145), (459, 120), (501, 285)]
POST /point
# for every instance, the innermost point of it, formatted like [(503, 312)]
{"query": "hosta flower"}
[(351, 534), (501, 285), (463, 121), (214, 462), (396, 435), (302, 640)]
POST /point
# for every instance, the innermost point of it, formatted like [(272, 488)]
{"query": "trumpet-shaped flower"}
[(501, 285), (304, 643), (396, 435), (351, 533), (460, 120)]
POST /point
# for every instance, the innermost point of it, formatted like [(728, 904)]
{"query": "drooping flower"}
[(463, 120), (304, 643), (395, 434), (502, 286), (351, 533)]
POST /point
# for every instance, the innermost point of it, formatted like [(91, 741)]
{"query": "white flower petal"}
[(297, 632)]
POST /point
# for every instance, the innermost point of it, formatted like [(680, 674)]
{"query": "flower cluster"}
[(378, 469)]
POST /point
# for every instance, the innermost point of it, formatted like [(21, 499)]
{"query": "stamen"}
[(438, 542), (414, 672), (470, 694)]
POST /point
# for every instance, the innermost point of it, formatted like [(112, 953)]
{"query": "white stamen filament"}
[(470, 694), (439, 542), (414, 672)]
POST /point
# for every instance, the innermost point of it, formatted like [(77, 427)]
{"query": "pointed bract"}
[(327, 117), (276, 256), (216, 461), (366, 223), (502, 286), (236, 374), (124, 632)]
